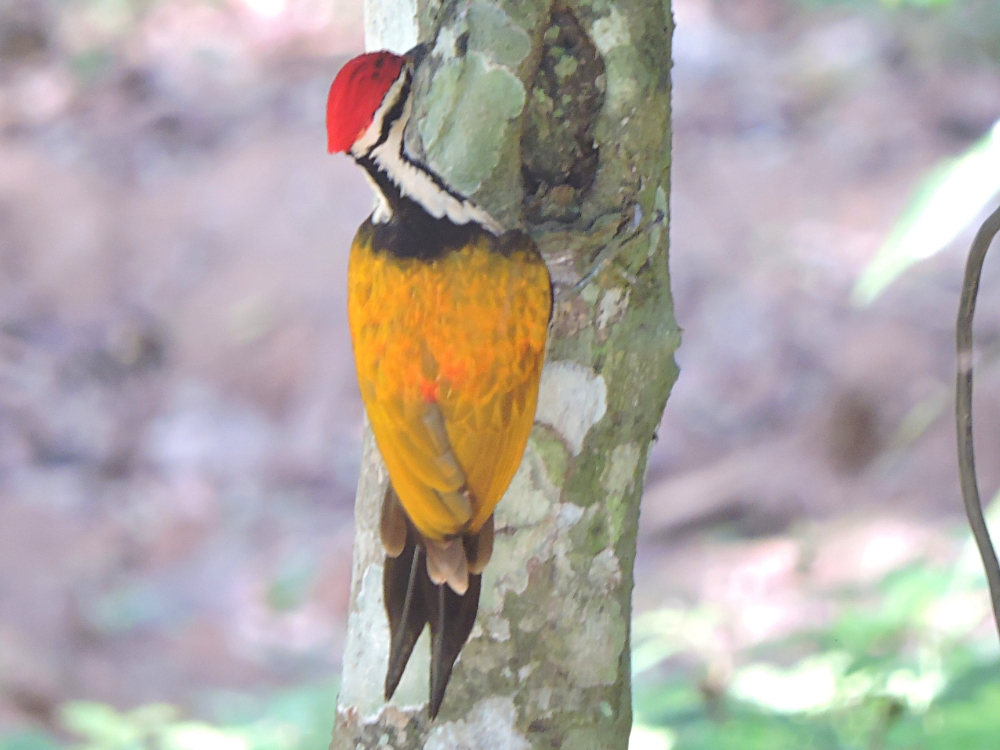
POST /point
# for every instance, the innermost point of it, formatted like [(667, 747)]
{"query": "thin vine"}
[(963, 407)]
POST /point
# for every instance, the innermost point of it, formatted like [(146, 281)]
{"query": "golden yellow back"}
[(458, 338)]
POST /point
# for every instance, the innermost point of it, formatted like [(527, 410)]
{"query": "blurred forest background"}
[(180, 427)]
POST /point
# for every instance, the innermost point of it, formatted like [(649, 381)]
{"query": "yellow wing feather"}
[(463, 334)]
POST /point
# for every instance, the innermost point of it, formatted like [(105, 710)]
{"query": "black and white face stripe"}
[(389, 111), (381, 152)]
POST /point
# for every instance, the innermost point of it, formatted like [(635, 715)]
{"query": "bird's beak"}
[(417, 54)]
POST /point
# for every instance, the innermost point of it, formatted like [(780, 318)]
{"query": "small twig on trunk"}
[(963, 407), (640, 227)]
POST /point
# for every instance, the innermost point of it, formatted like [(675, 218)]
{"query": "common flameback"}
[(448, 316)]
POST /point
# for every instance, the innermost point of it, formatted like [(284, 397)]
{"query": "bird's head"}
[(367, 97), (366, 116)]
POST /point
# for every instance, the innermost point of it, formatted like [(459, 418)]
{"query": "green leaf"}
[(973, 725), (102, 726), (194, 735), (651, 738), (29, 740), (946, 203)]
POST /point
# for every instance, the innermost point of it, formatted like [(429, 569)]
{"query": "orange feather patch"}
[(458, 340)]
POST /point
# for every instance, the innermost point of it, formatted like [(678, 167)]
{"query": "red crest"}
[(355, 96)]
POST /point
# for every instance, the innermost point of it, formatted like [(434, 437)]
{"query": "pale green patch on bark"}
[(617, 479), (605, 572), (552, 451), (391, 25), (571, 399), (594, 644), (367, 659), (660, 206), (613, 305), (493, 34), (611, 31), (493, 718), (578, 148), (470, 105)]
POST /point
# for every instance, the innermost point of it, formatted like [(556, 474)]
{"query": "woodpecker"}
[(448, 316)]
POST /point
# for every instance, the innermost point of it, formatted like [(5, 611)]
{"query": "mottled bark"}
[(556, 118)]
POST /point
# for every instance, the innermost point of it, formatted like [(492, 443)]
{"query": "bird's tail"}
[(413, 599)]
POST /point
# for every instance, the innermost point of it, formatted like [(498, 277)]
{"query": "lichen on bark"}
[(579, 158)]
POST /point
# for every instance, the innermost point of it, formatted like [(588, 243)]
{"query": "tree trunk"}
[(556, 118)]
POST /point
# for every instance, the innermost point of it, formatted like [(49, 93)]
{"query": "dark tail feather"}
[(413, 600), (404, 604), (451, 618), (479, 547)]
